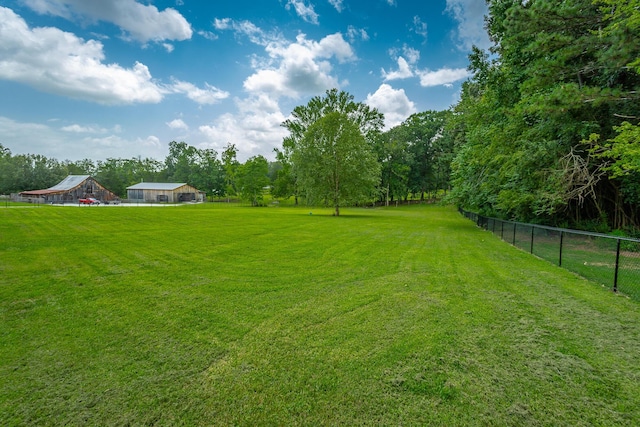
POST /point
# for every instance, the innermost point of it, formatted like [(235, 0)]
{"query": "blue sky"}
[(122, 78)]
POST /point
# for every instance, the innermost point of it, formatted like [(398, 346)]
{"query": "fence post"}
[(502, 230), (532, 233), (561, 241), (514, 233), (615, 276)]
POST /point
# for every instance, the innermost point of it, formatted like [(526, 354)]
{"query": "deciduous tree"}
[(252, 178), (330, 138), (334, 163)]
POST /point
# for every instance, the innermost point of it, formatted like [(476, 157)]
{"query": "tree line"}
[(336, 155), (546, 130)]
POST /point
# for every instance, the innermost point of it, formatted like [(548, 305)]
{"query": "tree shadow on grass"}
[(342, 215)]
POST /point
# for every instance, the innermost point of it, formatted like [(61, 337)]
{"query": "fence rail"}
[(609, 260)]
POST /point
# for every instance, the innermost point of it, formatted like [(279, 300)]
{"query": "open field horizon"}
[(207, 315)]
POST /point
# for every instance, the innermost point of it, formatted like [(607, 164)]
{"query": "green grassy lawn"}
[(592, 258), (202, 315)]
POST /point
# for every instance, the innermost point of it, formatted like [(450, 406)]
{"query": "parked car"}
[(89, 201)]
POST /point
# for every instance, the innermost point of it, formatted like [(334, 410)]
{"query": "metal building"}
[(168, 192)]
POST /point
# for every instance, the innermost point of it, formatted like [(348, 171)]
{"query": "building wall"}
[(89, 188), (152, 196)]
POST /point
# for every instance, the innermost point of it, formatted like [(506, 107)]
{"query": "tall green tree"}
[(334, 163), (28, 171), (320, 130), (252, 178), (7, 184), (181, 162), (424, 133), (209, 173), (416, 155), (392, 149), (230, 165), (80, 167), (284, 185)]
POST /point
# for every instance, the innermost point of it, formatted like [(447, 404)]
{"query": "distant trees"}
[(117, 174), (336, 154), (31, 171), (415, 156), (200, 168), (392, 149), (252, 178), (284, 184), (230, 164)]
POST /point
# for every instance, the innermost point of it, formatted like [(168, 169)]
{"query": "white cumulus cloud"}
[(442, 77), (419, 27), (246, 28), (58, 143), (178, 124), (354, 34), (59, 62), (412, 55), (337, 4), (254, 130), (76, 128), (302, 67), (142, 22), (393, 103), (403, 71)]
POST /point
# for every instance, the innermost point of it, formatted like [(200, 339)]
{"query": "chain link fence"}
[(609, 260)]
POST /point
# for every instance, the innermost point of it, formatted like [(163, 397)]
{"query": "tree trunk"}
[(336, 195), (387, 203)]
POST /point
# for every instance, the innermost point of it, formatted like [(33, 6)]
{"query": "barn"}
[(69, 190), (168, 192)]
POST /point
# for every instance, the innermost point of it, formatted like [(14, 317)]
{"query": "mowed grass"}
[(204, 315)]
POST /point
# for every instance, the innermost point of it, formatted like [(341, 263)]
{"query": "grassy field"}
[(211, 315)]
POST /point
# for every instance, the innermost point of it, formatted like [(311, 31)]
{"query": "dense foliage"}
[(546, 130), (416, 156)]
